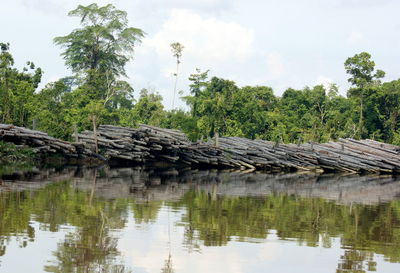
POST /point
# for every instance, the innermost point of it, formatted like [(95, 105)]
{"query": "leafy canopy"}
[(361, 69), (104, 43)]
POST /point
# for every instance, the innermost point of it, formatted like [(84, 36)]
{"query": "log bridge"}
[(152, 144)]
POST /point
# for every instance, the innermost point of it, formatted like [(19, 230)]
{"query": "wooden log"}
[(149, 142)]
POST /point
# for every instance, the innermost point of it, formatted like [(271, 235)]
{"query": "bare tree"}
[(177, 49)]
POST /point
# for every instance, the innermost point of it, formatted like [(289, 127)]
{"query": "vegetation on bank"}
[(11, 153), (13, 157), (96, 93)]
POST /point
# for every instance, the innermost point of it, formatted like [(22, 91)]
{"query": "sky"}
[(276, 43)]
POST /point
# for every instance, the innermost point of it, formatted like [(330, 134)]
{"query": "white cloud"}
[(233, 39), (276, 67), (206, 40), (355, 37), (325, 81), (207, 5), (209, 43), (366, 4)]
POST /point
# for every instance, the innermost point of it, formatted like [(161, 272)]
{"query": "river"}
[(179, 220)]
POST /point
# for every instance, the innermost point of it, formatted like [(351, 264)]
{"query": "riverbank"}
[(122, 146), (11, 153), (14, 157)]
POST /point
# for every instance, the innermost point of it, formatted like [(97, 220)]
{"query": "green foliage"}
[(199, 82), (179, 119), (313, 114), (14, 158), (51, 110), (17, 89), (148, 109), (104, 43), (9, 151), (361, 69), (98, 52), (388, 108), (214, 106), (310, 114), (251, 106)]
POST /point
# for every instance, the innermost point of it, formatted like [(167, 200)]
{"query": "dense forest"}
[(97, 93)]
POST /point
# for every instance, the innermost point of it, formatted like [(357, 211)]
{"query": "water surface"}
[(136, 220)]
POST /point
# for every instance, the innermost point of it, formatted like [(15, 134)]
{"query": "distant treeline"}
[(96, 94)]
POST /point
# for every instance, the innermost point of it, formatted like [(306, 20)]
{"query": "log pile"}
[(117, 142), (357, 156), (152, 144), (149, 143), (43, 144)]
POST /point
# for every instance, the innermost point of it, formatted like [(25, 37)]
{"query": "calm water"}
[(134, 220)]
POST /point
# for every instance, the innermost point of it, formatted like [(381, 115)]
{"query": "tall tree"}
[(97, 53), (6, 63), (362, 73), (177, 49), (198, 83), (17, 89), (104, 43), (100, 49)]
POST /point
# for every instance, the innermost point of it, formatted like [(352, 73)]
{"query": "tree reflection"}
[(15, 213), (168, 265), (356, 261), (146, 212), (91, 248), (363, 230), (208, 219)]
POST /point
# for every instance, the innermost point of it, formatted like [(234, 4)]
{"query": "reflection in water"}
[(168, 265), (91, 248), (213, 209), (355, 261)]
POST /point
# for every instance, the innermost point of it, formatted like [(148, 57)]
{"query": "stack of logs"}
[(147, 143), (43, 144)]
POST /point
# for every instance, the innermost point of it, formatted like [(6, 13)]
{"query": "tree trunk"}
[(176, 82), (361, 125), (76, 133), (34, 124), (216, 139), (95, 134)]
